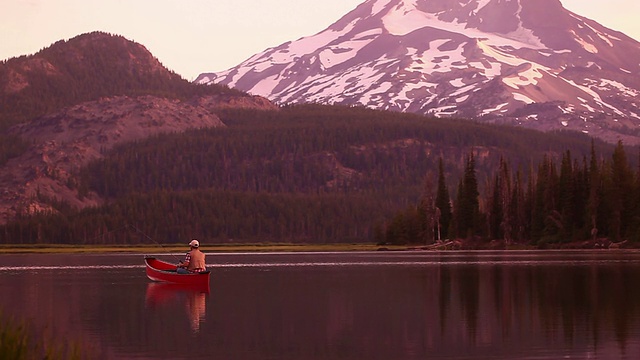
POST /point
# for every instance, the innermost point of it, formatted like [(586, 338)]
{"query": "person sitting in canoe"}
[(193, 261)]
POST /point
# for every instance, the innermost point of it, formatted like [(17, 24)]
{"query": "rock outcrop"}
[(65, 141)]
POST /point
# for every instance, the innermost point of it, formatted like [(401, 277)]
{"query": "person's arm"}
[(185, 263)]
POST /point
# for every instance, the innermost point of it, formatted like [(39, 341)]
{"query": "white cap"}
[(194, 243)]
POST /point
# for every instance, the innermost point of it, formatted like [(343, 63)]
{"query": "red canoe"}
[(158, 270)]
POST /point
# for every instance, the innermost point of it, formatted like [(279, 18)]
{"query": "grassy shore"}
[(142, 249)]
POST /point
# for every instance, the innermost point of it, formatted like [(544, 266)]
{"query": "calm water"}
[(380, 305)]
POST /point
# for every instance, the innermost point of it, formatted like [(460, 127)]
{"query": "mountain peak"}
[(522, 62), (106, 50), (85, 68)]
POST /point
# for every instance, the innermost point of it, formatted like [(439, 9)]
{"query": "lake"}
[(360, 305)]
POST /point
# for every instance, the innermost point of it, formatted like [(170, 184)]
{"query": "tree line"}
[(343, 170), (311, 149), (588, 198)]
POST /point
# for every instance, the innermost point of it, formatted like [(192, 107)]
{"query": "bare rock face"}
[(523, 62), (214, 103), (109, 121), (67, 140)]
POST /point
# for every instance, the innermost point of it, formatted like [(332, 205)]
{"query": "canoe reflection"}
[(194, 299)]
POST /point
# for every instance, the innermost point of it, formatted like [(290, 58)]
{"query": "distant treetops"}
[(575, 200)]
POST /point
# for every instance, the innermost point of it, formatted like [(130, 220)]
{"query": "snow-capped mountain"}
[(526, 62)]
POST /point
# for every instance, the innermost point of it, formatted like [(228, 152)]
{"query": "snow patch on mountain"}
[(482, 4), (406, 18), (493, 60)]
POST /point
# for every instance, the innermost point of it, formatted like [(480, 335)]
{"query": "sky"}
[(191, 37)]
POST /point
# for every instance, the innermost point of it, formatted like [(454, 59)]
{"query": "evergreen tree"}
[(595, 189), (634, 226), (546, 220), (506, 225), (566, 190), (467, 208), (495, 210), (519, 209), (581, 197), (427, 212), (443, 205), (620, 189)]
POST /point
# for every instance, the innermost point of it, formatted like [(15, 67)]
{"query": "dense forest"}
[(575, 199), (312, 174)]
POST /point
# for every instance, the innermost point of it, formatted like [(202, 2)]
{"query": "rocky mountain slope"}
[(523, 62), (65, 141), (90, 94)]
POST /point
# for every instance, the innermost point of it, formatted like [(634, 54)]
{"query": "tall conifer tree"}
[(619, 192), (566, 187), (594, 186), (468, 206), (443, 204), (427, 212)]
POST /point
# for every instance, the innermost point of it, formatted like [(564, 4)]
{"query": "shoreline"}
[(180, 248), (455, 245)]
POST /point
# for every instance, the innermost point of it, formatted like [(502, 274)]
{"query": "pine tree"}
[(634, 226), (427, 212), (566, 187), (594, 187), (506, 225), (443, 205), (519, 210), (495, 210), (468, 206), (545, 217), (620, 189)]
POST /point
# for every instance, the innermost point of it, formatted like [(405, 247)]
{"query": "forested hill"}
[(85, 68), (68, 103), (300, 174)]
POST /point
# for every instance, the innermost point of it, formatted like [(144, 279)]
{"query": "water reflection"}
[(374, 306), (450, 312), (162, 296)]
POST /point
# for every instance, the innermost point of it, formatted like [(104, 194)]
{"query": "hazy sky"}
[(195, 36)]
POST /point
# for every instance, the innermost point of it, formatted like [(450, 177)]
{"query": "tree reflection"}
[(500, 310)]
